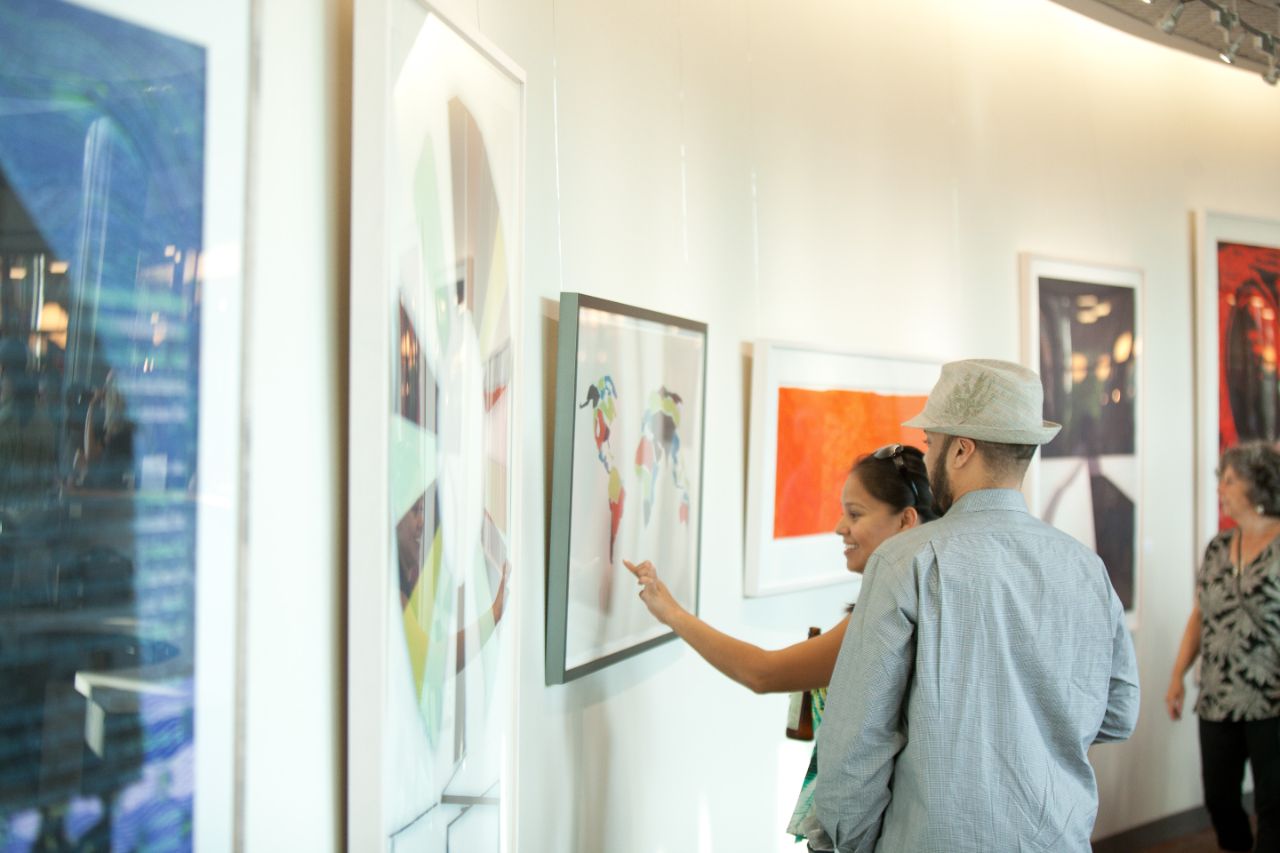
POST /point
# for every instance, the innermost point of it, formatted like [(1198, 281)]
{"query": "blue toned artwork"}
[(102, 135)]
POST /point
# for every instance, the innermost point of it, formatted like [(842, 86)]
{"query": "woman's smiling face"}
[(864, 523)]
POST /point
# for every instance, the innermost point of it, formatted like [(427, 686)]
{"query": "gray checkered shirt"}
[(987, 652)]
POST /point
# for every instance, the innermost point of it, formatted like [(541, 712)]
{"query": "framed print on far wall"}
[(1237, 333), (627, 482), (437, 201), (813, 413), (1082, 334)]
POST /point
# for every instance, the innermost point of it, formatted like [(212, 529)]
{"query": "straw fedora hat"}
[(987, 400)]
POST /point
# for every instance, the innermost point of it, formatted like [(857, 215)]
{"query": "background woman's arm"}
[(1188, 650)]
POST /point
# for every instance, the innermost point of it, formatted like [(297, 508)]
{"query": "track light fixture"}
[(1170, 20), (1226, 20), (1229, 55), (1266, 43), (1267, 46), (1235, 30)]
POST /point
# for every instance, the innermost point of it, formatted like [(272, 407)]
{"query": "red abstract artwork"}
[(820, 434), (1248, 331)]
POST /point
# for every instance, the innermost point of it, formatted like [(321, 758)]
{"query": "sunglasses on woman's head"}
[(895, 452)]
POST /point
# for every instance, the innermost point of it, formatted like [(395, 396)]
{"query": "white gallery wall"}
[(859, 176), (291, 787), (856, 176)]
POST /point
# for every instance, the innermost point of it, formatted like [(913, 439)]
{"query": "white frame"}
[(776, 566), (223, 30), (1212, 227), (1032, 267), (370, 402)]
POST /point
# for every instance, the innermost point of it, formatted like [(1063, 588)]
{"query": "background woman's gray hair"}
[(1258, 463)]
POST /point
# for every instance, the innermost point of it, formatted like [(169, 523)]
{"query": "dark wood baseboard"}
[(1159, 831)]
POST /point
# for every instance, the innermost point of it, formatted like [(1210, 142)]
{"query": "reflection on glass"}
[(101, 176)]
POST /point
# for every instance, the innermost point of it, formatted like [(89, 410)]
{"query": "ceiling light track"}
[(1228, 19)]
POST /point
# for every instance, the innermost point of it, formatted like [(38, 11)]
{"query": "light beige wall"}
[(293, 791)]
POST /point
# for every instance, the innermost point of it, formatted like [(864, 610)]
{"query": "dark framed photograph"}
[(1082, 333)]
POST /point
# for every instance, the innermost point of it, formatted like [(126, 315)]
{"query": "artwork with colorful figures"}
[(602, 397), (628, 472)]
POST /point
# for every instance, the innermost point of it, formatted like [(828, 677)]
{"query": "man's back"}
[(990, 649)]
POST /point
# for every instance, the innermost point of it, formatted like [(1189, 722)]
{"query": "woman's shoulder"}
[(1221, 540), (1218, 551)]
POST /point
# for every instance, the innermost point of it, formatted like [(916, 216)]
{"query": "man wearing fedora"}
[(987, 652)]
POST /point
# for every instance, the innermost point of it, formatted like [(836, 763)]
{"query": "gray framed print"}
[(627, 481)]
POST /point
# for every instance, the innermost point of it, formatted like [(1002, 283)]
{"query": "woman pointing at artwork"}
[(885, 493)]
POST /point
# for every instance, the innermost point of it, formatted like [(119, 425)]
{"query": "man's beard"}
[(939, 482)]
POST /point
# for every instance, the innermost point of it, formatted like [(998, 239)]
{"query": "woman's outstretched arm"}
[(804, 666)]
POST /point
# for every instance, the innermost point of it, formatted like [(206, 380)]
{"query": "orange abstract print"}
[(820, 434)]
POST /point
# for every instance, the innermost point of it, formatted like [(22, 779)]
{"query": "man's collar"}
[(981, 500)]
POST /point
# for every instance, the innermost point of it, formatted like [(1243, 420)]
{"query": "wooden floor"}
[(1201, 842)]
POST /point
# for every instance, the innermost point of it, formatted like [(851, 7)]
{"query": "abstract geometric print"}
[(448, 464)]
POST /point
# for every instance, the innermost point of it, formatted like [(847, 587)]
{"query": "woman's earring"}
[(1260, 509)]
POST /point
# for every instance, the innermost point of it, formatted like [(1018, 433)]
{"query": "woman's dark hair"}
[(898, 487), (1258, 463)]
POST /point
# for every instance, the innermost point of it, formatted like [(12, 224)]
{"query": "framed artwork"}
[(813, 413), (630, 413), (1082, 333), (435, 311), (1237, 262), (123, 137)]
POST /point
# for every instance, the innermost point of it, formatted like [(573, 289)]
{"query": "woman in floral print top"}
[(1235, 630)]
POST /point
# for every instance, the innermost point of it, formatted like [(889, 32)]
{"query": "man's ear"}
[(964, 451)]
